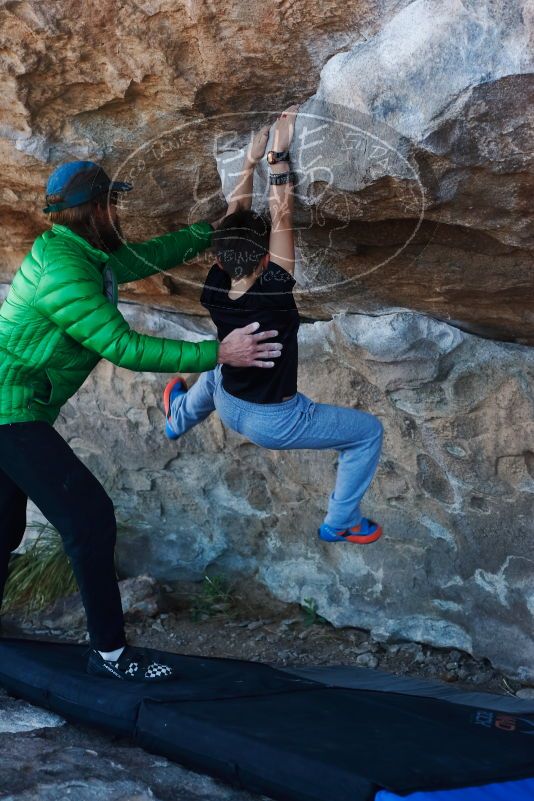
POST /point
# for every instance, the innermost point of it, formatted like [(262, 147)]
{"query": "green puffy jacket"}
[(60, 318)]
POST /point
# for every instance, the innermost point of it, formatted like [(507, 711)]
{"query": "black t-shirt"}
[(270, 302)]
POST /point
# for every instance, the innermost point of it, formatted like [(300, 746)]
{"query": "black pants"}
[(36, 463)]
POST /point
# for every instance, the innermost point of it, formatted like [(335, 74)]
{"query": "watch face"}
[(271, 158)]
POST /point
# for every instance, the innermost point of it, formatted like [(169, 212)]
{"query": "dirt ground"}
[(292, 635)]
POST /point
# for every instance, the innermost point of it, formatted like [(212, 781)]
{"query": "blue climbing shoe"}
[(366, 531), (173, 389)]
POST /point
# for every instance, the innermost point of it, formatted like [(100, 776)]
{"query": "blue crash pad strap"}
[(522, 790)]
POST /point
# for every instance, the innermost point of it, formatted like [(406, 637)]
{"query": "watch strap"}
[(278, 178), (274, 156)]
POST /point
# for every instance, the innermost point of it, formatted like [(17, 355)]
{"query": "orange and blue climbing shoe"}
[(366, 531), (177, 386)]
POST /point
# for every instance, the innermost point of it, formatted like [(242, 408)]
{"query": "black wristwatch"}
[(274, 156)]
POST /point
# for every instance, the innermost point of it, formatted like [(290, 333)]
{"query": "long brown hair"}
[(81, 220), (76, 214)]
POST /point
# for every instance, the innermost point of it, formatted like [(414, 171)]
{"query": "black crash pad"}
[(285, 735)]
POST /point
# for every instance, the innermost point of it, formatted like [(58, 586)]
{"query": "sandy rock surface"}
[(413, 144)]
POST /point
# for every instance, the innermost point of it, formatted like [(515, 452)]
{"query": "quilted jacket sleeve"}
[(133, 261), (69, 293)]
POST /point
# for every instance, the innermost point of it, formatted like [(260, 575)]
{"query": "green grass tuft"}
[(311, 616), (215, 598), (40, 575)]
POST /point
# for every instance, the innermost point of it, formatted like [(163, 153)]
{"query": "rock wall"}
[(414, 142), (454, 490), (414, 228)]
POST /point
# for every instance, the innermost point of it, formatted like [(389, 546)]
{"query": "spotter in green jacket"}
[(60, 318)]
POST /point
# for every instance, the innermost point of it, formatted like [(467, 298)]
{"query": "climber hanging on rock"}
[(59, 319), (253, 280)]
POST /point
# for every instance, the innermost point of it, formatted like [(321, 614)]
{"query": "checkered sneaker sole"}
[(157, 671)]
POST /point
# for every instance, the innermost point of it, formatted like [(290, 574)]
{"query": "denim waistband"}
[(259, 408)]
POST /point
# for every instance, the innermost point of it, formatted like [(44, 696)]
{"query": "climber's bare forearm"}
[(240, 198), (282, 239)]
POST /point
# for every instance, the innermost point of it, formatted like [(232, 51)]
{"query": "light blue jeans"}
[(294, 424)]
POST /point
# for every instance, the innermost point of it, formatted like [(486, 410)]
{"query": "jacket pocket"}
[(50, 396)]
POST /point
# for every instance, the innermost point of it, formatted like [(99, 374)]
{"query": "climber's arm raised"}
[(240, 198), (282, 242)]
